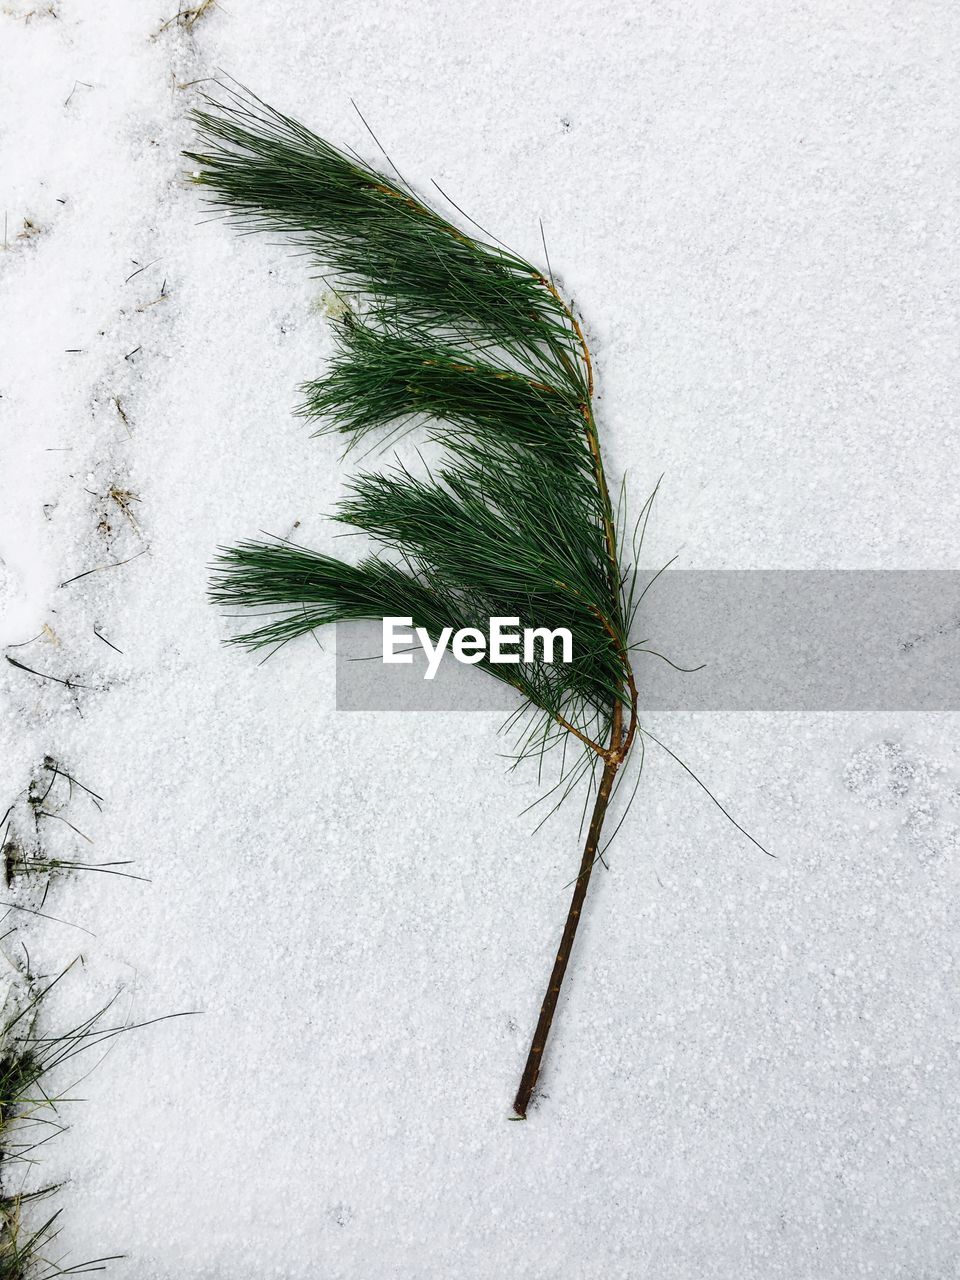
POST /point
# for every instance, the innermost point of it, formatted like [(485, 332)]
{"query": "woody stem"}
[(620, 743), (535, 1057)]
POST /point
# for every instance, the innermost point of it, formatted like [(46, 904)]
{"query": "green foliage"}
[(462, 337), (28, 1104), (35, 1081)]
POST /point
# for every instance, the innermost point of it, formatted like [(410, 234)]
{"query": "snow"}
[(754, 1071)]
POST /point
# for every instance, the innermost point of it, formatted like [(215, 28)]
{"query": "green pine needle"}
[(474, 343)]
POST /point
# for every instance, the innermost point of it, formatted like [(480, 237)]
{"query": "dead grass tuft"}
[(123, 499), (187, 17), (29, 232), (28, 15)]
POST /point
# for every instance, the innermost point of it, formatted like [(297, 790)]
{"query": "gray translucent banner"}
[(766, 640)]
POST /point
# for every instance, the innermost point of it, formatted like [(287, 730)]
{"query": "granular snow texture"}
[(754, 1070)]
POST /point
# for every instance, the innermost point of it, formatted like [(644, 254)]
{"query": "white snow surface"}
[(754, 1068)]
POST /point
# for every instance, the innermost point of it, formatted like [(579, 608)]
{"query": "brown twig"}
[(613, 756), (531, 1070)]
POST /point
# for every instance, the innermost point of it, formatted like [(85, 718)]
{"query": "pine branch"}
[(477, 344)]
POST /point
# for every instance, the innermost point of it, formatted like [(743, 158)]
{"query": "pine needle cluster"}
[(459, 335)]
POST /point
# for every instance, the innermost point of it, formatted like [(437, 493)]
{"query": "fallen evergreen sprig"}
[(456, 332)]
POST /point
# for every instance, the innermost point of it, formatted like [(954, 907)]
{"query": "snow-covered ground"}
[(755, 1068)]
